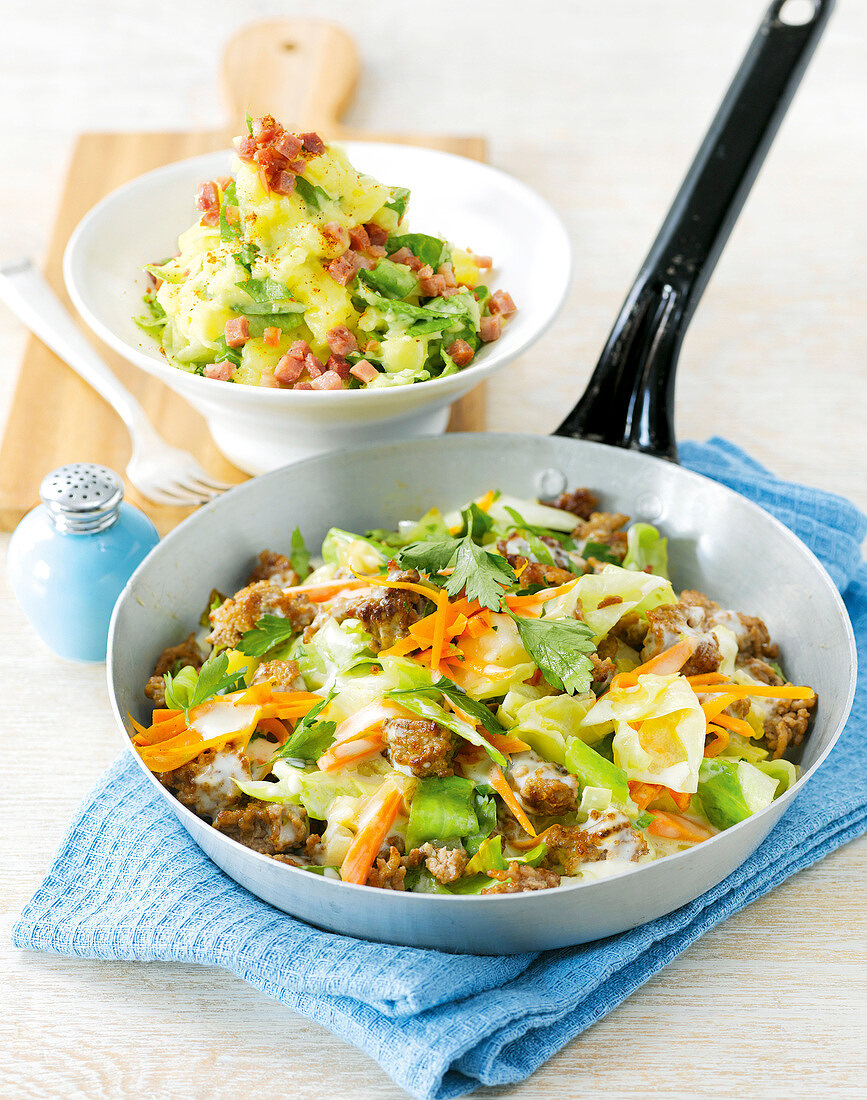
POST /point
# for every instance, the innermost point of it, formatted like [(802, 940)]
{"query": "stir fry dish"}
[(301, 273), (501, 699)]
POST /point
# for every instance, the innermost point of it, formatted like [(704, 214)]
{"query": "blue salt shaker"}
[(70, 557)]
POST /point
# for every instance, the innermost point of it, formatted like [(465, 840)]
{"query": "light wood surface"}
[(600, 107), (55, 417)]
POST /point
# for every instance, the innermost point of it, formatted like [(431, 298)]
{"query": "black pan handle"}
[(629, 401)]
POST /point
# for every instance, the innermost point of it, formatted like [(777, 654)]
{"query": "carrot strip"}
[(163, 731), (506, 743), (720, 743), (257, 693), (642, 794), (670, 660), (517, 603), (501, 786), (164, 715), (707, 678), (680, 798), (727, 721), (141, 731), (364, 848), (273, 726), (439, 636), (783, 691), (487, 500), (676, 827), (350, 752), (323, 590), (401, 648), (716, 706)]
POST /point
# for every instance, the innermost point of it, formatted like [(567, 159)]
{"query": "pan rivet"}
[(649, 506), (550, 482)]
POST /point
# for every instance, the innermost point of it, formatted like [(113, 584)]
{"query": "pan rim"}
[(778, 806)]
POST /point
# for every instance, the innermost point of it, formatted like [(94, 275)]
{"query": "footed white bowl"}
[(466, 202)]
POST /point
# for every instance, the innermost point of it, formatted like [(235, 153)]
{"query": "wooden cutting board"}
[(302, 71)]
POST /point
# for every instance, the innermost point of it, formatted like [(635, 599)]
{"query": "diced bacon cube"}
[(482, 262), (271, 336), (237, 331), (289, 369), (264, 129), (433, 286), (269, 159), (313, 144), (461, 352), (247, 148), (288, 144), (341, 341), (376, 234), (283, 183), (490, 328), (222, 371), (448, 273), (312, 365), (300, 348), (207, 196), (377, 251), (358, 238), (448, 291), (223, 182), (404, 256), (339, 366), (330, 380), (233, 215), (501, 302), (268, 380), (304, 386), (344, 268), (367, 262), (336, 237), (210, 217), (364, 371)]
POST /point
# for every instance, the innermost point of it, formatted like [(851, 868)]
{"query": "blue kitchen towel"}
[(128, 883)]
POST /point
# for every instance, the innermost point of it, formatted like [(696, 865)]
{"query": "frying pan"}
[(619, 440)]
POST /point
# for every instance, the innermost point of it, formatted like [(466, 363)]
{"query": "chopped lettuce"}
[(731, 791), (646, 549), (595, 771), (353, 552), (442, 810), (288, 787), (548, 724)]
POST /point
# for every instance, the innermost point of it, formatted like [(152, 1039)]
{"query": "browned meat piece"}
[(535, 572), (604, 527), (786, 726), (282, 674), (207, 784), (276, 568), (278, 857), (445, 864), (266, 827), (603, 671), (544, 788), (751, 632), (185, 655), (667, 624), (387, 617), (241, 613), (631, 630), (607, 648), (388, 874), (521, 877), (580, 502), (761, 670), (420, 745), (604, 836)]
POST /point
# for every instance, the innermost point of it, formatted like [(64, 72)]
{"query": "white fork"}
[(163, 474)]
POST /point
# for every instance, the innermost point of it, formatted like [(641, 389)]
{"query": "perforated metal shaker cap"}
[(82, 497)]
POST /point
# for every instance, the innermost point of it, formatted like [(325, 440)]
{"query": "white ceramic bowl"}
[(468, 203)]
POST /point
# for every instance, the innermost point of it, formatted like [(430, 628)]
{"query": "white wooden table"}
[(600, 107)]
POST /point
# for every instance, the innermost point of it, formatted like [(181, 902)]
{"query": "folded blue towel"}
[(439, 1024)]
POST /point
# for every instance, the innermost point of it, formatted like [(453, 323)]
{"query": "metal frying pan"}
[(616, 440)]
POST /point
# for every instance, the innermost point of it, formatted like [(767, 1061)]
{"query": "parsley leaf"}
[(482, 575), (249, 124), (559, 647), (299, 555), (189, 688), (398, 201), (269, 631), (600, 551), (473, 707), (230, 231), (310, 738)]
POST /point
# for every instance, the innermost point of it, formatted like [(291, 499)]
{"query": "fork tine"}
[(175, 495), (195, 481)]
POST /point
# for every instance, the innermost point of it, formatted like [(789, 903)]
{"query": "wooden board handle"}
[(302, 71)]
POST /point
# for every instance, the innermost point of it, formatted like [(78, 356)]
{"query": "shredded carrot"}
[(680, 798), (349, 752), (439, 637), (506, 743), (257, 693), (364, 848), (160, 715), (324, 590), (642, 794), (676, 827), (519, 603), (401, 648), (720, 742), (499, 783), (163, 731), (487, 500), (273, 726), (716, 706), (707, 678), (663, 664), (727, 721), (783, 691), (141, 731)]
